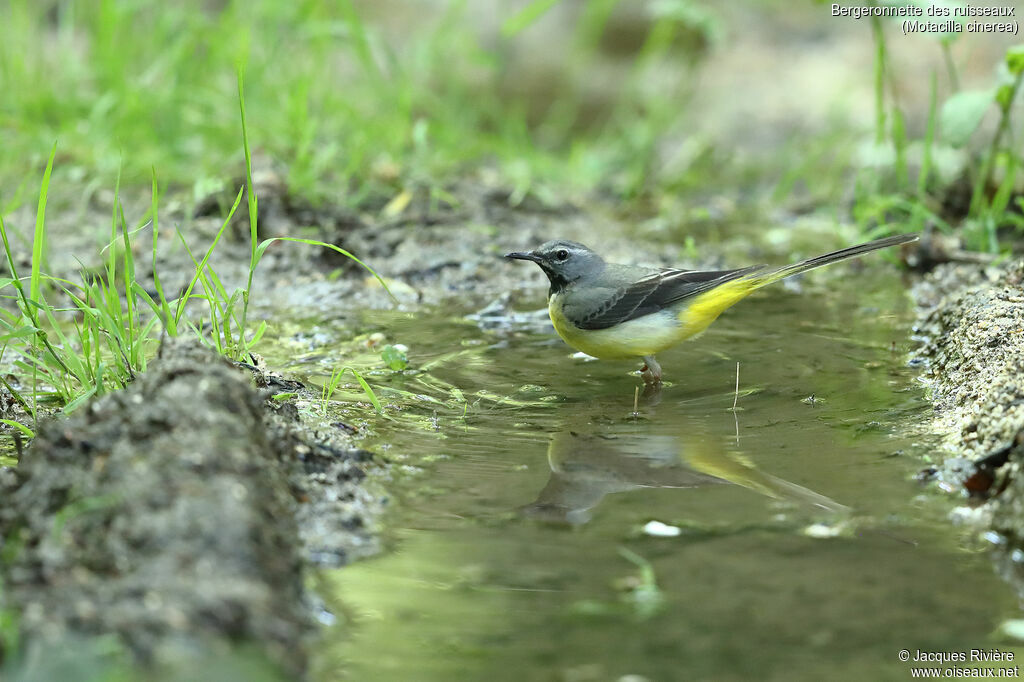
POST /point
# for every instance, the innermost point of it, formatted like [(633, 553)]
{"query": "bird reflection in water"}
[(587, 466)]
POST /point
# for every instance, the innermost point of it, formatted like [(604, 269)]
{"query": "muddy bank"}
[(972, 327), (170, 522)]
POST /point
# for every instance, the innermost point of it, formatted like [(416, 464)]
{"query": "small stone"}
[(821, 531), (1012, 629), (657, 529)]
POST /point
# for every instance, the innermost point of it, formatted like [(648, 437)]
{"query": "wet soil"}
[(971, 324), (178, 515)]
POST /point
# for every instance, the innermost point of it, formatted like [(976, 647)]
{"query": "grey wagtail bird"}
[(613, 311)]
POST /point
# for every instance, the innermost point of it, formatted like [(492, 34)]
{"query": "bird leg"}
[(651, 371)]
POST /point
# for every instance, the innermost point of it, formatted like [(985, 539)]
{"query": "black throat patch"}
[(558, 282)]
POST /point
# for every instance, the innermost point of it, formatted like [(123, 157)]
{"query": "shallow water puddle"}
[(790, 540)]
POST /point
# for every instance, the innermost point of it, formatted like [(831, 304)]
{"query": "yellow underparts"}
[(653, 333)]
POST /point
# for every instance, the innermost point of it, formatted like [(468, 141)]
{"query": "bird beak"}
[(524, 256)]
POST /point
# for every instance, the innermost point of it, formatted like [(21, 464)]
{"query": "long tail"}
[(704, 308), (762, 278)]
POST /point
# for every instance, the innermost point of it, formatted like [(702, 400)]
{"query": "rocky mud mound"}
[(166, 515), (972, 325)]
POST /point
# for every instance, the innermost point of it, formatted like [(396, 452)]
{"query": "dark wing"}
[(650, 295)]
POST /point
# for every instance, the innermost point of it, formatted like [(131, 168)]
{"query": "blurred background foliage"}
[(700, 111)]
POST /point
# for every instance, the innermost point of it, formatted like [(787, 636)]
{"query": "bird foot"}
[(649, 377), (651, 371)]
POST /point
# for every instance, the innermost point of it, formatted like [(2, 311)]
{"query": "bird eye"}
[(561, 254)]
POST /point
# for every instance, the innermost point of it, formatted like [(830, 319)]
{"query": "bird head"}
[(563, 261)]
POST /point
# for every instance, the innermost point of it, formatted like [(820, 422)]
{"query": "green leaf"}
[(1002, 198), (1015, 59), (1004, 96), (394, 358), (962, 114)]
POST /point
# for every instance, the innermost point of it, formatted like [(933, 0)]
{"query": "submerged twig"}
[(736, 395), (735, 400)]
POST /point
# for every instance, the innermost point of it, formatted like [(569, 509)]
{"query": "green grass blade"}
[(183, 299), (258, 334), (131, 333), (929, 138), (253, 212), (156, 307), (18, 397), (20, 427), (366, 389), (30, 306), (66, 361), (214, 300), (79, 401), (168, 319), (39, 238), (314, 242), (1006, 188), (15, 280)]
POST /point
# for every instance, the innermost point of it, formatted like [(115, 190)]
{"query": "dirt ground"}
[(972, 328), (178, 515)]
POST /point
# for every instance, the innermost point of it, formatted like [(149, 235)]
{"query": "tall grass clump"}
[(357, 116), (107, 324), (99, 340), (905, 186)]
